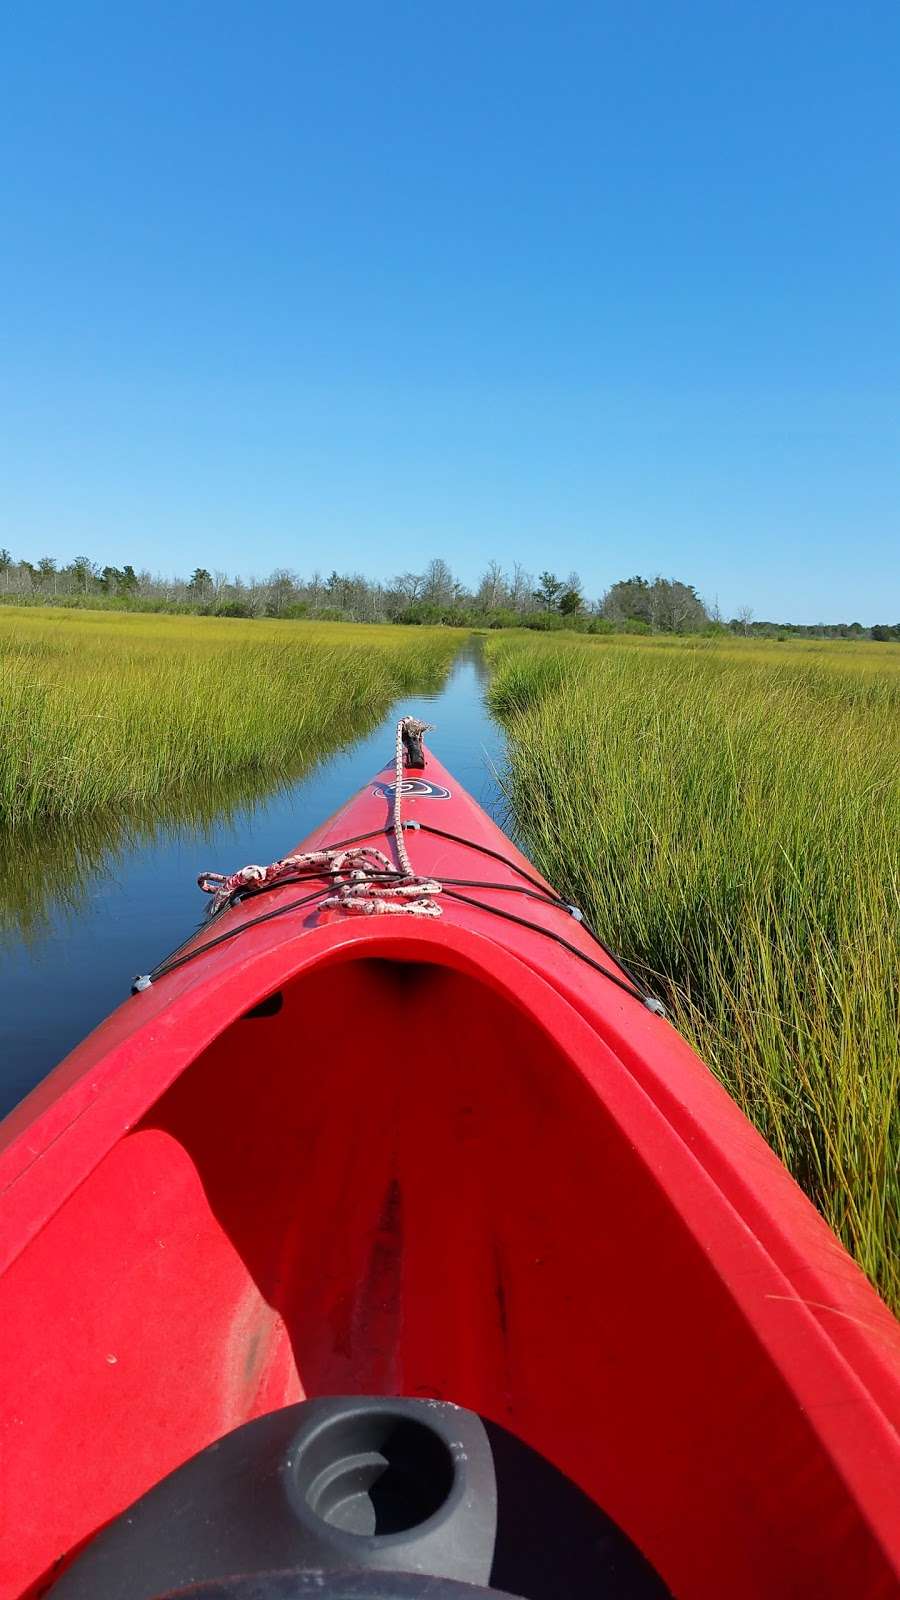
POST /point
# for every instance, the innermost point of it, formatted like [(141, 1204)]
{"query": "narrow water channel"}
[(68, 968)]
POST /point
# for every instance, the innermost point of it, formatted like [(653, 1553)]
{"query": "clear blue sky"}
[(605, 286)]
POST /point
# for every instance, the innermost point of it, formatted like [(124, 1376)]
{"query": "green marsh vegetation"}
[(99, 710), (728, 815), (113, 724)]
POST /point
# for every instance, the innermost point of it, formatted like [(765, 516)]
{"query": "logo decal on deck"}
[(413, 789)]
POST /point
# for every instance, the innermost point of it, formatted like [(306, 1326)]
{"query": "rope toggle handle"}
[(411, 731)]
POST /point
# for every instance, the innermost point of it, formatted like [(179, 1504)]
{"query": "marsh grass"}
[(137, 715), (729, 817)]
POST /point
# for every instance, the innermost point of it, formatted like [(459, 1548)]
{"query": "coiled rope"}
[(364, 880)]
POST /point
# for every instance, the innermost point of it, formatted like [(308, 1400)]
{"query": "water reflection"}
[(57, 868), (82, 910)]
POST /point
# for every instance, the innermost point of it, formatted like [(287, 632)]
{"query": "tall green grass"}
[(107, 713), (729, 816)]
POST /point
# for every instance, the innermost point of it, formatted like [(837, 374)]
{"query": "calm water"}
[(80, 928)]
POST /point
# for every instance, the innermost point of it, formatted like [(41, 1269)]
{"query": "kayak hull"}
[(447, 1158)]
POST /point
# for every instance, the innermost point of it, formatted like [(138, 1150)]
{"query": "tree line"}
[(513, 598)]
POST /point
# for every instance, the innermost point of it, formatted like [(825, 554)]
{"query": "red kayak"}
[(394, 1123)]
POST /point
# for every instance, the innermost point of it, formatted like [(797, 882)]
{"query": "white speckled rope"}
[(371, 887), (412, 895), (416, 728), (364, 861)]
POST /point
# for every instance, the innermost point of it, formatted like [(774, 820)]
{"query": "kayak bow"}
[(456, 1156)]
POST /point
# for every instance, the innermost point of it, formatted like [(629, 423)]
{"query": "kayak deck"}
[(380, 1156)]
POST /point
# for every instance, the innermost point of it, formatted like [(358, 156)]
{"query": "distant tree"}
[(339, 591), (200, 582), (47, 570), (84, 574), (6, 562), (744, 618), (571, 599), (521, 587), (665, 605), (676, 607), (437, 583), (548, 590), (409, 585), (492, 588), (628, 600), (110, 579), (282, 592), (362, 599), (128, 579)]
